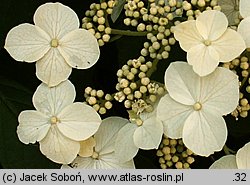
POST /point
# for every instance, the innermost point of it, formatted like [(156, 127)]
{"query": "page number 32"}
[(240, 177)]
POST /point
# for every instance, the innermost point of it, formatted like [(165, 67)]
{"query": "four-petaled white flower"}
[(244, 26), (57, 124), (231, 9), (55, 42), (239, 161), (208, 41), (103, 157), (146, 135), (194, 107)]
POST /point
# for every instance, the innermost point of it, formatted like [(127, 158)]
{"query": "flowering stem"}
[(245, 79), (228, 151), (128, 32)]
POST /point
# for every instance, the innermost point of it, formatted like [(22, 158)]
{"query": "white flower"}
[(145, 134), (57, 124), (55, 42), (231, 9), (244, 26), (194, 107), (103, 156), (240, 161), (208, 41)]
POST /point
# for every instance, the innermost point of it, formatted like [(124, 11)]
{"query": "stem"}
[(245, 79), (129, 33), (153, 68), (228, 151)]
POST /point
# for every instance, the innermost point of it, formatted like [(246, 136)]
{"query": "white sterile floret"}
[(194, 107), (57, 124), (55, 42), (244, 25), (231, 9), (208, 41), (239, 161), (144, 133), (102, 156)]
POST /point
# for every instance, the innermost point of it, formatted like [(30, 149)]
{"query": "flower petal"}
[(84, 163), (59, 148), (56, 19), (51, 101), (182, 83), (80, 49), (52, 69), (78, 121), (211, 24), (27, 42), (187, 35), (173, 116), (33, 126), (149, 135), (109, 161), (204, 132), (243, 30), (87, 147), (229, 46), (204, 59), (220, 91), (107, 133), (244, 8), (125, 149), (243, 157), (225, 162)]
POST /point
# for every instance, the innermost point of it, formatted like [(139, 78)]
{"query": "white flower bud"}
[(105, 37), (108, 105), (160, 90), (101, 28), (143, 89), (100, 42), (108, 97), (100, 13), (149, 64), (88, 90), (102, 110), (119, 96), (127, 21), (145, 81), (92, 100), (96, 107), (152, 98), (127, 90), (100, 93), (97, 35), (134, 22), (165, 54), (101, 20), (93, 92), (124, 83), (133, 85), (156, 45), (141, 27), (137, 94), (127, 104), (108, 30), (144, 68), (104, 5)]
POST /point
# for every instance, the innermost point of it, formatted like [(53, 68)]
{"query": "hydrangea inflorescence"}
[(182, 118)]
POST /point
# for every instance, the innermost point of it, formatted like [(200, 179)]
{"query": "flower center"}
[(95, 155), (197, 106), (207, 42), (54, 43), (54, 120)]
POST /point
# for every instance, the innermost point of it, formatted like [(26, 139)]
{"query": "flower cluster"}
[(173, 153), (181, 118)]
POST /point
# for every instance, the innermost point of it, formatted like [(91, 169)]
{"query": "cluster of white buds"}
[(134, 86), (159, 45), (194, 8), (173, 153), (100, 101), (95, 20), (241, 66), (149, 19)]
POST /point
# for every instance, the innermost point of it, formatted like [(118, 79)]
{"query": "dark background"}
[(14, 154)]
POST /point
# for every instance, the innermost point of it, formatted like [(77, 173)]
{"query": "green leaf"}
[(13, 154), (117, 10)]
